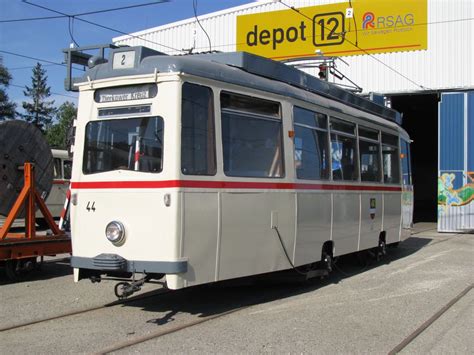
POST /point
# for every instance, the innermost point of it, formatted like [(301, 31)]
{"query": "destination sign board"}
[(126, 93)]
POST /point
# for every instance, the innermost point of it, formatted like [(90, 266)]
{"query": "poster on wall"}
[(369, 26)]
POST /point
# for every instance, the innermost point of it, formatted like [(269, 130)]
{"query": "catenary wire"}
[(85, 13), (28, 67), (100, 11), (71, 30), (222, 45), (200, 25), (37, 59), (283, 3), (32, 19), (103, 26), (355, 23), (53, 93), (157, 2)]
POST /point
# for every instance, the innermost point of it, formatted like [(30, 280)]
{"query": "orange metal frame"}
[(28, 244)]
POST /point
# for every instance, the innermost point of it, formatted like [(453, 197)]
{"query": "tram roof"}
[(227, 67)]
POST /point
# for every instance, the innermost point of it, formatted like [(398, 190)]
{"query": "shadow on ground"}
[(217, 298), (48, 270)]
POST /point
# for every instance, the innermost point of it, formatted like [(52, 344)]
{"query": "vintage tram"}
[(215, 166)]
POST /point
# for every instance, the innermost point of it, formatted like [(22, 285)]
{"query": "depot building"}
[(413, 55)]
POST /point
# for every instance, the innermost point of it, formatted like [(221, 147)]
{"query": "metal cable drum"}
[(22, 142)]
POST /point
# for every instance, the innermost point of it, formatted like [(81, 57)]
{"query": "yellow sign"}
[(370, 26)]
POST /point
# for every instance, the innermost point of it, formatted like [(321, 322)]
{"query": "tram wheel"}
[(381, 249), (327, 261), (17, 270)]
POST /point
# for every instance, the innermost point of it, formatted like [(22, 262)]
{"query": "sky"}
[(45, 39)]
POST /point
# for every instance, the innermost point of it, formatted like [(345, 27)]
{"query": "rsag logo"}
[(370, 21)]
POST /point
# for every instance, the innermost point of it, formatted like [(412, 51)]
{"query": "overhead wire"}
[(71, 30), (37, 59), (361, 49), (101, 11), (103, 26), (194, 6), (53, 93), (355, 23), (199, 22), (157, 2), (28, 67), (31, 19)]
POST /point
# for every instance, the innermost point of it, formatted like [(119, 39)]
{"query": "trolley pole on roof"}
[(326, 65)]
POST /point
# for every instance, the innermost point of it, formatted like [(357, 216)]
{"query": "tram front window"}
[(126, 144)]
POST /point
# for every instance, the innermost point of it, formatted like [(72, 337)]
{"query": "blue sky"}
[(44, 39)]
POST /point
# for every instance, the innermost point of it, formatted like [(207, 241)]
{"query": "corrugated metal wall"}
[(456, 162), (447, 63)]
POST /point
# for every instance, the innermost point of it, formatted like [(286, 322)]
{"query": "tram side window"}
[(251, 136), (390, 157), (67, 166), (343, 151), (58, 174), (198, 153), (369, 150), (406, 165), (311, 144), (124, 144)]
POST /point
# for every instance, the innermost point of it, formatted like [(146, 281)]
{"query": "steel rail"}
[(430, 321), (160, 333), (161, 291)]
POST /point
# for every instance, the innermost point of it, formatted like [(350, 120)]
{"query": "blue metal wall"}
[(470, 131), (456, 162)]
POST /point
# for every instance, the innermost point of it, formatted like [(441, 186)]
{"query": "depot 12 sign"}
[(369, 26)]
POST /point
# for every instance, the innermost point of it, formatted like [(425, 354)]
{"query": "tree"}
[(57, 134), (7, 108), (40, 112)]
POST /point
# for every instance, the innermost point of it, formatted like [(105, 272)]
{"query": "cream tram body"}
[(200, 173), (62, 175)]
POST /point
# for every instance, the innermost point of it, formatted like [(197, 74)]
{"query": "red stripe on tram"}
[(225, 185)]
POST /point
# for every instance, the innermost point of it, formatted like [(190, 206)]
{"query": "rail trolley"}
[(209, 167)]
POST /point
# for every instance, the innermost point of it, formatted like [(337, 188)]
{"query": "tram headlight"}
[(115, 232)]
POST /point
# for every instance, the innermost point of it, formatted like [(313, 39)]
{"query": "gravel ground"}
[(357, 309)]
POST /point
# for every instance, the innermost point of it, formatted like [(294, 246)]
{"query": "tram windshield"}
[(124, 144)]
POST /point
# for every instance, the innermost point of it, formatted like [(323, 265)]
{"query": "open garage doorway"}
[(420, 120)]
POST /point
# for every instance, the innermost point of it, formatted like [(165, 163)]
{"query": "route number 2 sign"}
[(124, 60)]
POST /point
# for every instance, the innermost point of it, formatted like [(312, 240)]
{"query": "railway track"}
[(87, 310), (430, 321), (197, 321), (160, 333)]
